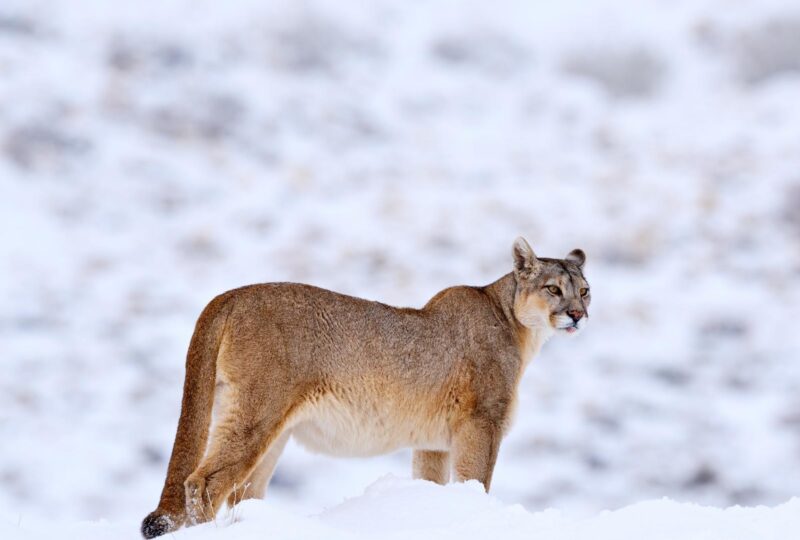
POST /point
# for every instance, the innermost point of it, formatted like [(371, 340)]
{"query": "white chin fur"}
[(564, 321)]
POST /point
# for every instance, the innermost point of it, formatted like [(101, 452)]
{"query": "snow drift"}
[(395, 508)]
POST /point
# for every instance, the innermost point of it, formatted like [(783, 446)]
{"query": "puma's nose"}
[(576, 314)]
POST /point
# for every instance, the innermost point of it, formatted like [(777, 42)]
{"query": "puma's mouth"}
[(571, 329), (567, 325)]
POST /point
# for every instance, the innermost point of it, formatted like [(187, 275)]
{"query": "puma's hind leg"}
[(240, 440), (431, 465), (256, 484)]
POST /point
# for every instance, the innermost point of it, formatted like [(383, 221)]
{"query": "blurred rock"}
[(623, 72), (126, 54), (153, 456), (767, 49), (16, 25), (315, 44), (746, 496), (212, 118), (727, 328), (200, 246), (703, 477), (791, 208), (484, 51), (672, 376), (42, 146)]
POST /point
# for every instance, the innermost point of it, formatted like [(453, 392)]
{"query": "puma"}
[(352, 377)]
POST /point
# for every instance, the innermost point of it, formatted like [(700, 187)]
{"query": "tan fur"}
[(351, 377)]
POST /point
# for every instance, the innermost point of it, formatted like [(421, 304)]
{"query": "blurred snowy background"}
[(156, 153)]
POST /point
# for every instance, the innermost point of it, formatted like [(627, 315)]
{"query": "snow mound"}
[(395, 508)]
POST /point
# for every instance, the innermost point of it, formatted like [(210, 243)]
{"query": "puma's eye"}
[(584, 291), (552, 289)]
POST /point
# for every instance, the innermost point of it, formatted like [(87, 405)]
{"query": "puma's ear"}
[(576, 257), (525, 261)]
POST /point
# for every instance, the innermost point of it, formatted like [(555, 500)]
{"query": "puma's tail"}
[(192, 435)]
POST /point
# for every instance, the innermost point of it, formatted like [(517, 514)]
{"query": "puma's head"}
[(551, 294)]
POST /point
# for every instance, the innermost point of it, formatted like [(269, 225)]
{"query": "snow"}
[(158, 152), (397, 509)]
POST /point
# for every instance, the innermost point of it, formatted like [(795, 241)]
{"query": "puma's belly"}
[(360, 427)]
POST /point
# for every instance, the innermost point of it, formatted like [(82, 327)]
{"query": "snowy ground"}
[(395, 509), (156, 153)]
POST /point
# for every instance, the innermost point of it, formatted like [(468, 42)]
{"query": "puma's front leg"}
[(432, 465), (475, 449)]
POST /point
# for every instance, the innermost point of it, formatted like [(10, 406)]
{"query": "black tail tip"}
[(156, 525)]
